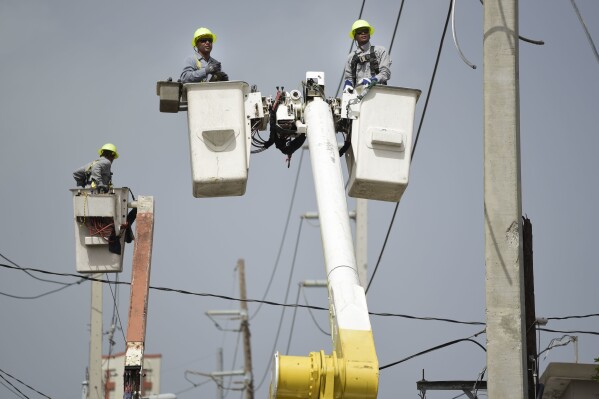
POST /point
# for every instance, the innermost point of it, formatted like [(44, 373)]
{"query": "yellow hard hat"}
[(109, 147), (360, 24), (202, 32)]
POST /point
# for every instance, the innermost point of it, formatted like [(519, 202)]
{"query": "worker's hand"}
[(368, 82), (348, 87), (215, 67)]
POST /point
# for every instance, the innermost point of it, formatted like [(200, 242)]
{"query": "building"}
[(570, 381), (113, 371)]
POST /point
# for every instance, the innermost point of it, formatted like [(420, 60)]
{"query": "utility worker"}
[(201, 67), (97, 174), (369, 64)]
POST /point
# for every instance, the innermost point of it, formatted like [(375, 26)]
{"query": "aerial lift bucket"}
[(379, 159), (98, 219), (219, 116)]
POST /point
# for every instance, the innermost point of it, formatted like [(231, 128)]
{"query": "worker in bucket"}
[(201, 67), (368, 65), (97, 174)]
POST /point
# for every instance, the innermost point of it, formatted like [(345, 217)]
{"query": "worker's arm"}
[(384, 64)]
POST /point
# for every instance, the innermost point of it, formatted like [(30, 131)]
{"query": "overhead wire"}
[(455, 341), (430, 88), (351, 46), (288, 305), (455, 39), (12, 390), (272, 275), (299, 232), (22, 383), (586, 31)]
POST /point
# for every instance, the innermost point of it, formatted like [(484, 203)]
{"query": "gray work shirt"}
[(99, 171), (363, 69), (195, 69)]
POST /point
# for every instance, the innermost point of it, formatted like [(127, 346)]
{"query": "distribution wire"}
[(525, 39), (299, 232), (274, 270), (13, 388), (586, 31), (430, 88), (21, 382), (272, 303), (436, 348), (351, 46)]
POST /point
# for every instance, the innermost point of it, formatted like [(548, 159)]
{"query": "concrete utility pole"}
[(245, 330), (219, 368), (505, 313), (95, 388)]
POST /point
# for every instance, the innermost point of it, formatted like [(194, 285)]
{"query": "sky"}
[(78, 74)]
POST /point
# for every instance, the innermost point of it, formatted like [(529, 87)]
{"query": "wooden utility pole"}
[(245, 330), (531, 317), (505, 304)]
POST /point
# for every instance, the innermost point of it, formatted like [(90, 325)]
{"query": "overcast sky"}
[(78, 74)]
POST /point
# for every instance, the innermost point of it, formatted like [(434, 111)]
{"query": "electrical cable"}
[(299, 232), (436, 348), (44, 294), (20, 394), (396, 24), (455, 39), (553, 344), (272, 303), (349, 52), (586, 31), (313, 317), (21, 382), (299, 288), (430, 88), (299, 168), (116, 283), (31, 275), (570, 332), (524, 39), (11, 389)]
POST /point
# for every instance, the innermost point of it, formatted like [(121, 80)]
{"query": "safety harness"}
[(363, 58)]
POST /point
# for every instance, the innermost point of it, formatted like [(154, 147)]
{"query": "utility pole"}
[(245, 330), (505, 305), (95, 386), (219, 368)]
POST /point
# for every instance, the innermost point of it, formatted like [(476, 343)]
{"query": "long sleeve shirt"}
[(195, 69), (98, 172), (363, 68)]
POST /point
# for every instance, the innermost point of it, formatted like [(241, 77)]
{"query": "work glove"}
[(369, 82), (219, 77), (348, 87), (213, 67)]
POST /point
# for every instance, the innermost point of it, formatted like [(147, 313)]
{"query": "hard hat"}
[(109, 147), (360, 24), (202, 32)]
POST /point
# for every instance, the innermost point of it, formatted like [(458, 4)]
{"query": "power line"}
[(586, 31), (299, 168), (290, 305), (351, 46), (299, 232), (430, 88), (44, 294), (22, 383), (436, 348)]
